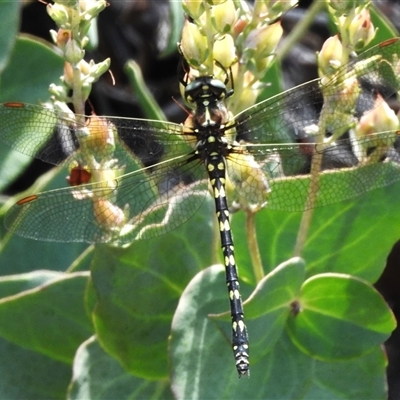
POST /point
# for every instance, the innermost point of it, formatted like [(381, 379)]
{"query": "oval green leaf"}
[(340, 317)]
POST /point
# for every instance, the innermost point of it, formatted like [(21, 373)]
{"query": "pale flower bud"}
[(249, 178), (84, 67), (101, 139), (194, 8), (331, 56), (86, 89), (108, 215), (261, 42), (59, 14), (224, 51), (92, 7), (73, 52), (248, 97), (223, 16), (96, 70), (279, 7), (193, 44), (59, 91), (361, 30), (347, 94), (380, 119), (62, 37), (68, 74)]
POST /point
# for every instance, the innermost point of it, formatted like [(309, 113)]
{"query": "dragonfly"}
[(136, 179)]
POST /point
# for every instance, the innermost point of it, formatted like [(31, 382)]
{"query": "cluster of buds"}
[(355, 32), (353, 23), (341, 90), (222, 35), (97, 165), (74, 18), (377, 129)]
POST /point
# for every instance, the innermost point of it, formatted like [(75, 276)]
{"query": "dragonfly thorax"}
[(212, 145), (208, 98)]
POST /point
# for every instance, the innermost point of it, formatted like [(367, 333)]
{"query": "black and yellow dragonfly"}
[(135, 179)]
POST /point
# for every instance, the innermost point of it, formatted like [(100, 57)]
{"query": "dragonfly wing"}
[(280, 133), (37, 131), (177, 189), (52, 136), (151, 141), (138, 205), (290, 194), (56, 216), (352, 91)]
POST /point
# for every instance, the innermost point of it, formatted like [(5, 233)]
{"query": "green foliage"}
[(20, 84), (151, 319), (9, 28)]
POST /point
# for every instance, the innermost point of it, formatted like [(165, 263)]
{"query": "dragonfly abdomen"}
[(215, 165)]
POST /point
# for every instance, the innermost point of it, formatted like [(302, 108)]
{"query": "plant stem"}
[(252, 243), (313, 187), (300, 29)]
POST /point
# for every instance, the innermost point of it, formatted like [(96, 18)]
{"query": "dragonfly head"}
[(205, 89)]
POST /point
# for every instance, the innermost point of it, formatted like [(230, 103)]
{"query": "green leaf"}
[(201, 354), (340, 317), (52, 314), (268, 307), (202, 364), (96, 375), (177, 18), (53, 256), (385, 28), (9, 11), (25, 78), (290, 194), (137, 291), (360, 378), (28, 375), (293, 375)]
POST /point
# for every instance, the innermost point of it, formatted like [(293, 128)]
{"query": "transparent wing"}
[(149, 183), (53, 136), (279, 136), (268, 182), (352, 91), (138, 205)]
